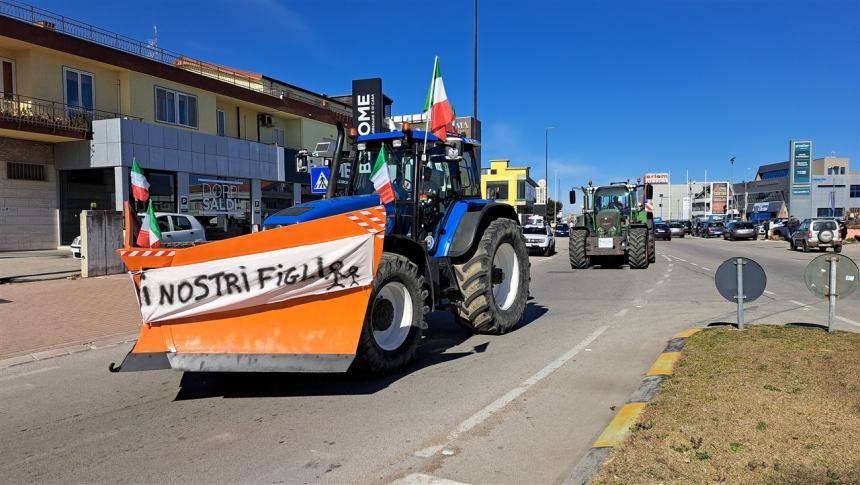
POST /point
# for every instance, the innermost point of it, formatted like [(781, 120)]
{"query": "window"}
[(79, 89), (163, 225), (222, 122), (497, 190), (25, 171), (181, 223), (278, 134), (7, 78), (826, 212), (162, 190), (175, 107), (854, 191)]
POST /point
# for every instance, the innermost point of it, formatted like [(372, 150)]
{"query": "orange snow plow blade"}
[(291, 299)]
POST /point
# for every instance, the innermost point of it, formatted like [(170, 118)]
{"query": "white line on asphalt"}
[(797, 303), (500, 403), (667, 257), (649, 290), (29, 373), (621, 312), (679, 259), (852, 322), (660, 282), (694, 264), (423, 479), (768, 292), (706, 268)]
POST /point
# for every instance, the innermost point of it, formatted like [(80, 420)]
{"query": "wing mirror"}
[(573, 197), (649, 191)]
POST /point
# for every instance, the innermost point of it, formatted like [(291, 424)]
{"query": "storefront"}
[(221, 204)]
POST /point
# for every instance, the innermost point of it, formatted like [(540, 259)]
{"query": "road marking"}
[(665, 364), (797, 303), (500, 403), (679, 259), (667, 257), (669, 270), (706, 268), (423, 479), (767, 292), (649, 290), (852, 322), (622, 312), (660, 282), (620, 425), (29, 373), (694, 264)]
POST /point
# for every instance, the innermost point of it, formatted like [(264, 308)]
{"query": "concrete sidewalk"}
[(39, 317), (17, 266)]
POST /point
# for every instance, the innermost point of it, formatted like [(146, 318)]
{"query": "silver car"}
[(539, 238), (677, 229)]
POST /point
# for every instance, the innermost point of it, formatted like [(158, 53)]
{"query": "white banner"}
[(256, 279)]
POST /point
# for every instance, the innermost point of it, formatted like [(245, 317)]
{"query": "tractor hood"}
[(608, 222), (317, 209)]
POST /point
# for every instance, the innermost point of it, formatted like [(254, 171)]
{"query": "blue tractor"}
[(445, 246)]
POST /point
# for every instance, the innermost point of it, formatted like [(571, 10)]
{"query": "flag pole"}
[(429, 112)]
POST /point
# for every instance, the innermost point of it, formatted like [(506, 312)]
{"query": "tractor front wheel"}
[(494, 281), (637, 247), (394, 319), (652, 247), (576, 249)]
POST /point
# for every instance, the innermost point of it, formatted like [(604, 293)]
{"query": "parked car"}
[(662, 231), (178, 228), (712, 229), (780, 228), (562, 230), (76, 247), (539, 238), (677, 229), (817, 233), (740, 230), (688, 227)]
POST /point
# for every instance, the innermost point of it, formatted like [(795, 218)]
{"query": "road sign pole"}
[(832, 293), (740, 298)]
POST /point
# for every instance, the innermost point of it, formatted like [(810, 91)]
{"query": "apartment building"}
[(78, 103), (511, 185)]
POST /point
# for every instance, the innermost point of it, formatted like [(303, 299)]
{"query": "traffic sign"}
[(319, 179), (817, 276), (740, 280)]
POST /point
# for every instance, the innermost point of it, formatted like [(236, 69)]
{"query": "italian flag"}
[(380, 179), (139, 185), (150, 234), (437, 108)]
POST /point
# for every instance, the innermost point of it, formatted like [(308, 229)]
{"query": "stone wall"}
[(28, 209)]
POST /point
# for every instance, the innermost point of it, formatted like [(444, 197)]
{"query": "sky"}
[(630, 87)]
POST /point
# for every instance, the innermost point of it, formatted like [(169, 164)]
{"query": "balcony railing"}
[(60, 23), (27, 111)]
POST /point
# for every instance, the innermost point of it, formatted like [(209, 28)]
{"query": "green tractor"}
[(614, 228)]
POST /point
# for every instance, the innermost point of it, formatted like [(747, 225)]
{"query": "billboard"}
[(656, 178), (800, 154), (367, 105), (719, 197)]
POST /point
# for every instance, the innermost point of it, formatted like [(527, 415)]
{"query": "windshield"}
[(534, 230), (611, 198), (676, 225), (401, 168)]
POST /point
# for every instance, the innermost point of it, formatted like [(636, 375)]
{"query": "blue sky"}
[(631, 86)]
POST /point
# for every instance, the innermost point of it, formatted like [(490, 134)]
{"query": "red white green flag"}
[(139, 185), (381, 180), (149, 235), (437, 108)]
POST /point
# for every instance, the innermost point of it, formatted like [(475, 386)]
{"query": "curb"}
[(618, 429), (68, 350)]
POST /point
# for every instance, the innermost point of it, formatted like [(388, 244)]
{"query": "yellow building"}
[(511, 185), (78, 103)]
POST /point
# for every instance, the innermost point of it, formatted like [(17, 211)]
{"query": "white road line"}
[(500, 403), (767, 292), (621, 312), (679, 259), (694, 264), (706, 268), (29, 373), (423, 479), (843, 319), (649, 290), (797, 303), (667, 257), (660, 282)]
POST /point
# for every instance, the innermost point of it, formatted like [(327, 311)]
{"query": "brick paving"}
[(45, 315)]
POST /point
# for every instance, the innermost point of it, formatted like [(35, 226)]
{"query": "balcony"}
[(49, 117), (149, 50)]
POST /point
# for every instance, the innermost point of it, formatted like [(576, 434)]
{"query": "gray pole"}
[(740, 265), (831, 312)]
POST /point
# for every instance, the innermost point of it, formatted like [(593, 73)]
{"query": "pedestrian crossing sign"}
[(319, 179)]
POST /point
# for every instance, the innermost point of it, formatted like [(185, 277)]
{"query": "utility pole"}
[(475, 69), (731, 191), (546, 168)]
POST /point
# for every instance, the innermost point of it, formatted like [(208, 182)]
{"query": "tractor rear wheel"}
[(637, 247), (494, 281), (576, 249), (394, 319)]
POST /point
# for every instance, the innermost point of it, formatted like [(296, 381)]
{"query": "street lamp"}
[(546, 167), (731, 186)]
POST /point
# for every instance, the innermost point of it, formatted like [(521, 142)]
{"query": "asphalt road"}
[(523, 407)]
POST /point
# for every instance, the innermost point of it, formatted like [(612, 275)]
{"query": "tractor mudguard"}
[(290, 299), (416, 253), (463, 223)]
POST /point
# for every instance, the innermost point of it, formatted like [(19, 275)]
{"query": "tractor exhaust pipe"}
[(335, 163)]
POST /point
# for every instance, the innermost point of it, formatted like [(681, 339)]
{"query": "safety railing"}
[(25, 110), (60, 23)]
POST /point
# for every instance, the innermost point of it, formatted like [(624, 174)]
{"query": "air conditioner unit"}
[(265, 120)]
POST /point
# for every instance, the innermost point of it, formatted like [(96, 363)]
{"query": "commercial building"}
[(511, 185), (79, 103)]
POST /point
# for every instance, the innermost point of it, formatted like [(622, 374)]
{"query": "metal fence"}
[(91, 33), (25, 110)]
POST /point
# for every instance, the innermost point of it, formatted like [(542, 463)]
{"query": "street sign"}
[(740, 280), (319, 179), (831, 271)]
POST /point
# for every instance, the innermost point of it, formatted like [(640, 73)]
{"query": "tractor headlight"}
[(397, 143), (361, 146)]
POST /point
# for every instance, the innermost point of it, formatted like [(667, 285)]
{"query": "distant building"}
[(511, 185)]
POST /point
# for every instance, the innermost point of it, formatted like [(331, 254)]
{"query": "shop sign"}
[(761, 206), (220, 197), (719, 198), (656, 178), (801, 159), (367, 108), (183, 203)]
